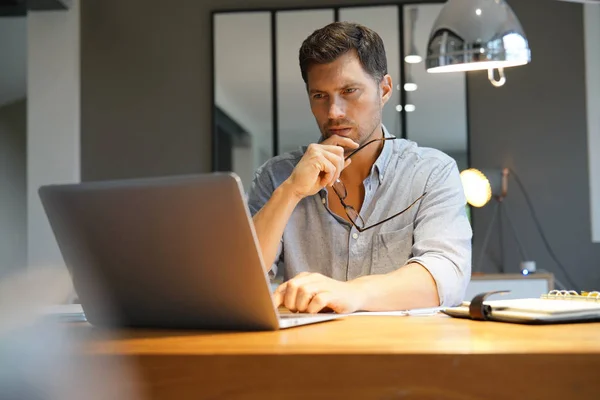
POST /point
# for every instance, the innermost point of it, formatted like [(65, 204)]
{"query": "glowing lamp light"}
[(478, 190)]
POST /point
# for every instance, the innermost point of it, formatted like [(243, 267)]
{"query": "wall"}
[(52, 119), (13, 197), (146, 85), (536, 125), (146, 110)]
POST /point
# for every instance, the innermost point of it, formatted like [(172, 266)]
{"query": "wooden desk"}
[(363, 357)]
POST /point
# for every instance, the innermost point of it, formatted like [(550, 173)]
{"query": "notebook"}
[(557, 306)]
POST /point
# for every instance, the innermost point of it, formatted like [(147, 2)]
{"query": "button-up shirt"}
[(434, 233)]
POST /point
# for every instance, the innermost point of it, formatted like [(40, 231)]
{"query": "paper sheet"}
[(402, 313)]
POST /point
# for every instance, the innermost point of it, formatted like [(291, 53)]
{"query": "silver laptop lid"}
[(170, 252)]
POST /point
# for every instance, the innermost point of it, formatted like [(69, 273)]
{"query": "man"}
[(330, 214)]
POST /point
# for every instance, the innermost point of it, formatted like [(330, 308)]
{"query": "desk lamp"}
[(481, 186)]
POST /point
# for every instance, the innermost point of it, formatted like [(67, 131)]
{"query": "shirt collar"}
[(384, 157)]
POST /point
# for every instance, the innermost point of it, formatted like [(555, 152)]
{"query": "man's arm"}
[(440, 269), (271, 220), (411, 286), (436, 275), (321, 165)]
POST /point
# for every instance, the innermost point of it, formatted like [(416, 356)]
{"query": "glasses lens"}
[(340, 189), (355, 217)]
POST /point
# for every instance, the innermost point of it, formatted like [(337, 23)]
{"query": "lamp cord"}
[(501, 209), (487, 235), (540, 230), (524, 256), (558, 284)]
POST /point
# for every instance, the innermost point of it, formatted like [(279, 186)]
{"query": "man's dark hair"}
[(328, 43)]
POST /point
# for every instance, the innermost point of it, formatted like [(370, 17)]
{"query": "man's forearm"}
[(271, 220), (409, 287)]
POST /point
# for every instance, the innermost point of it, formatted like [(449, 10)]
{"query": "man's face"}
[(345, 99)]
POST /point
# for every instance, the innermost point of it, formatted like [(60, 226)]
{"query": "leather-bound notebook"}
[(558, 306)]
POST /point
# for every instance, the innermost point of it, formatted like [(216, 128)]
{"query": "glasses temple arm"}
[(395, 215)]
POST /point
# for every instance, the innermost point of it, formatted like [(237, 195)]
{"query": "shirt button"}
[(355, 235), (323, 200)]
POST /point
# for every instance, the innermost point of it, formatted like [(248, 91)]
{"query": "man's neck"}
[(363, 161)]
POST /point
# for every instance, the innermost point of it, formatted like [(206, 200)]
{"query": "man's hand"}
[(320, 166), (312, 292)]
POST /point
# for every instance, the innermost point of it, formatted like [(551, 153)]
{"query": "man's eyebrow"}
[(346, 86), (351, 84)]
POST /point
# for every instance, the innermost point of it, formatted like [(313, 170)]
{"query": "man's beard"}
[(361, 136), (372, 130)]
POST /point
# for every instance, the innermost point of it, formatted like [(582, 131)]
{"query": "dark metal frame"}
[(336, 9), (402, 71), (19, 8), (274, 87)]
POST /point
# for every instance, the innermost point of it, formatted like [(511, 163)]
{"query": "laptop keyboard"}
[(298, 315)]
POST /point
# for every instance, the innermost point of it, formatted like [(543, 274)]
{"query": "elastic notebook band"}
[(480, 311)]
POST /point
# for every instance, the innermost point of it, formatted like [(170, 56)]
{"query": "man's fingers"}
[(296, 293), (338, 162), (324, 148), (337, 150), (328, 169), (335, 154), (319, 302), (300, 286), (343, 163), (278, 295), (340, 141), (304, 295), (277, 299), (327, 301), (305, 278), (289, 298)]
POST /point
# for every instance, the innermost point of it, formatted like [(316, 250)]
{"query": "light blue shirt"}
[(435, 232)]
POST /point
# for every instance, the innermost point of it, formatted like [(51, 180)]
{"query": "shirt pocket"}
[(391, 250)]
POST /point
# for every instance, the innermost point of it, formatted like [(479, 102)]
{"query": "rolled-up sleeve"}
[(260, 192), (442, 234)]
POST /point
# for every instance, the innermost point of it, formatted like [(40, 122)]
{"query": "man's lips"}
[(340, 130)]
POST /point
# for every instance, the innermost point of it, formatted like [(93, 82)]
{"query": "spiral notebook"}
[(557, 306)]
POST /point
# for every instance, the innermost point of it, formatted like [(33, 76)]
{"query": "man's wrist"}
[(287, 191), (363, 288)]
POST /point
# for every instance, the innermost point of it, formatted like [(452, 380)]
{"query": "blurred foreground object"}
[(38, 351)]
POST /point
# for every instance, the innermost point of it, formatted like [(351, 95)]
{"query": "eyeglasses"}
[(368, 143), (340, 189)]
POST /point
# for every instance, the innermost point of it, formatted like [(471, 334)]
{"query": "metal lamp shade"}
[(476, 34)]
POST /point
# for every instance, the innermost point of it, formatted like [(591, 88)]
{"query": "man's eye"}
[(350, 90), (318, 96)]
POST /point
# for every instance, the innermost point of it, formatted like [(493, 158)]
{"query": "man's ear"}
[(386, 88)]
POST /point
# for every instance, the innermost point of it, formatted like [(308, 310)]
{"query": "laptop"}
[(175, 252)]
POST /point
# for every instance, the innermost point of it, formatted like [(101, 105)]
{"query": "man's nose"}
[(336, 110)]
